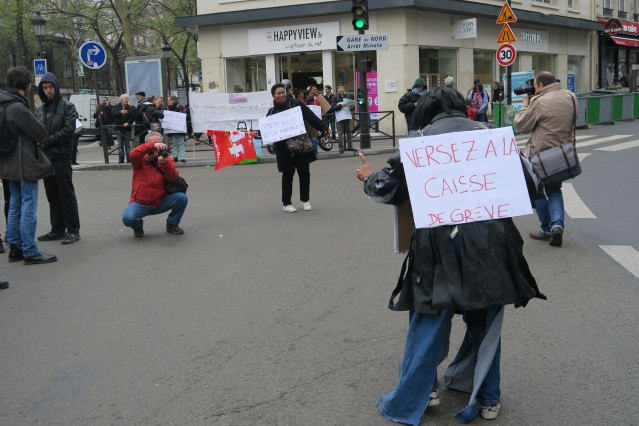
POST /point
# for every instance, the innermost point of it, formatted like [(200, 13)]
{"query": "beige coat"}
[(549, 118)]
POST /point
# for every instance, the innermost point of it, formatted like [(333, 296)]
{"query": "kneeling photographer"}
[(153, 168), (548, 113)]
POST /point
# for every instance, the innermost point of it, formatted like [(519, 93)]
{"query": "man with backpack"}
[(22, 163)]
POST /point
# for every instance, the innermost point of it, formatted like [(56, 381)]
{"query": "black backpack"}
[(8, 140)]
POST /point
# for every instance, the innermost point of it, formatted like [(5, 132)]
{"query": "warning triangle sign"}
[(506, 35), (506, 15)]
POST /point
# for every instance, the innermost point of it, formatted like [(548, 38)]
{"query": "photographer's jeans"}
[(551, 210), (22, 219), (175, 202)]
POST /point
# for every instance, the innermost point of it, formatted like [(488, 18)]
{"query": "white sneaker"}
[(289, 209), (306, 205), (433, 400), (490, 412)]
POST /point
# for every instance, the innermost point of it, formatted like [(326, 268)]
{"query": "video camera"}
[(528, 89)]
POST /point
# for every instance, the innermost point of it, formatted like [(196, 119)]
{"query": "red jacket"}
[(148, 183)]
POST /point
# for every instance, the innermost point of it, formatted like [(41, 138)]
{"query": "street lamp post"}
[(166, 50), (38, 23)]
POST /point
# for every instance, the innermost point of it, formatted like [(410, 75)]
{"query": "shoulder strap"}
[(574, 119)]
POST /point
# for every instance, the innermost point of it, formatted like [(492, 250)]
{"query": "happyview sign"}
[(293, 38)]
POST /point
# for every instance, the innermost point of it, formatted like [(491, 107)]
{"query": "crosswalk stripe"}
[(603, 140), (574, 205), (626, 256), (584, 137), (583, 155), (620, 147)]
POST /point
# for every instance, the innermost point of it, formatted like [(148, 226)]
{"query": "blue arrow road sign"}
[(92, 55), (39, 67)]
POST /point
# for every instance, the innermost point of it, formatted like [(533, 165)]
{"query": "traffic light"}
[(360, 97), (360, 15)]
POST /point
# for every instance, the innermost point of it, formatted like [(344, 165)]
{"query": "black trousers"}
[(301, 164), (7, 195), (63, 206)]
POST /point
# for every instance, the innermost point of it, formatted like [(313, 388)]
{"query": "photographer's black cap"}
[(140, 94)]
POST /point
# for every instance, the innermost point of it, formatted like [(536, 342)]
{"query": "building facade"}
[(250, 45)]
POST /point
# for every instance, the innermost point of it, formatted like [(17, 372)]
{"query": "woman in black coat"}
[(288, 162), (472, 268)]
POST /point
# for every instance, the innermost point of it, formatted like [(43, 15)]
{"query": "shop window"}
[(246, 74), (544, 62), (302, 70), (484, 66), (574, 79), (436, 64)]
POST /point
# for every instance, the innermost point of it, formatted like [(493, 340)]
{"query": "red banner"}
[(232, 147)]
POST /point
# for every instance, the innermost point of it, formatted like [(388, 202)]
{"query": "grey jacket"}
[(26, 162)]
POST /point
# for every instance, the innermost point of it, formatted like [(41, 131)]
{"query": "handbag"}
[(179, 185), (558, 163), (300, 144)]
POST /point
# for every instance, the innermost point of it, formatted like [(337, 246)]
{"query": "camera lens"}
[(164, 153)]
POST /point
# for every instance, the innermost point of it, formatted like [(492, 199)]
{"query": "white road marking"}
[(583, 155), (583, 137), (574, 205), (620, 146), (603, 140), (626, 256)]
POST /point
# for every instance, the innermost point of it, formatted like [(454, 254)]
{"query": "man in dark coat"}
[(408, 102), (22, 167), (58, 116), (124, 117)]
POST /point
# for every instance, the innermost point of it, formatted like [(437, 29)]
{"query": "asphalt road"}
[(255, 316)]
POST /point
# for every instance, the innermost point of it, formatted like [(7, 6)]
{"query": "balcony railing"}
[(622, 15), (607, 12)]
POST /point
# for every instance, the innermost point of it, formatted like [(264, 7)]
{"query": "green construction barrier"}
[(636, 113), (498, 114), (593, 110)]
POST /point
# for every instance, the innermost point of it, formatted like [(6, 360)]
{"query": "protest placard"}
[(174, 122), (281, 126), (463, 177), (343, 114), (223, 110)]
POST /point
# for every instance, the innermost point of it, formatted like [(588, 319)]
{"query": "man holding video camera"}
[(152, 169), (547, 113)]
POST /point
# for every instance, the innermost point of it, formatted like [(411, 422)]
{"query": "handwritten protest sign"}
[(282, 125), (224, 110), (464, 177), (174, 122)]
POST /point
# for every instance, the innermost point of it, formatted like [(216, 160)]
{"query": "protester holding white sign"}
[(285, 120), (464, 256), (283, 125), (174, 125)]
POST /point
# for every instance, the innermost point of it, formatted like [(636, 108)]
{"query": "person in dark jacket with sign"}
[(124, 118), (22, 167), (408, 102), (58, 116), (472, 268), (288, 162)]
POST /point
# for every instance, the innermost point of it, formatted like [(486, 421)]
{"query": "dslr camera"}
[(164, 154), (528, 89)]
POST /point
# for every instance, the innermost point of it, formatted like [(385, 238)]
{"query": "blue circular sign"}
[(92, 55)]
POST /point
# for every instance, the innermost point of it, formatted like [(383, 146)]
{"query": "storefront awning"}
[(623, 41)]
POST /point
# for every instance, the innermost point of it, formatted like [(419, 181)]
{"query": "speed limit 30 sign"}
[(506, 54)]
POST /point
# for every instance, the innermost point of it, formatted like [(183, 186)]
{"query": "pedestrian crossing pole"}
[(509, 78)]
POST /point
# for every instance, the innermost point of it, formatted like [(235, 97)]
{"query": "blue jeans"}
[(418, 368), (22, 220), (551, 210), (176, 140), (124, 144), (175, 202)]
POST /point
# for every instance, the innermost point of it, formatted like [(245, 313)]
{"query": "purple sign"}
[(238, 98)]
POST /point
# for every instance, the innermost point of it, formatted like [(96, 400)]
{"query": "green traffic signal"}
[(359, 23)]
